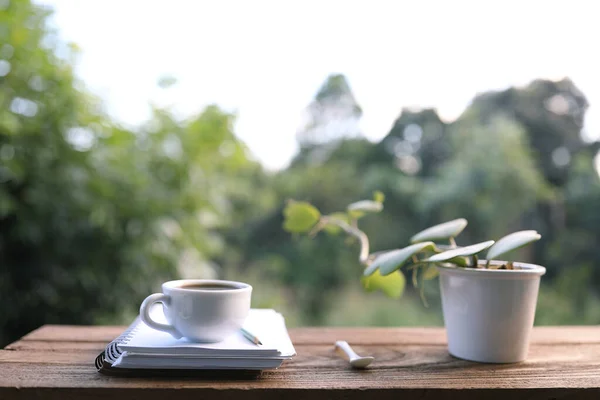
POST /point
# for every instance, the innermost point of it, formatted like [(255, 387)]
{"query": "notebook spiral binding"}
[(112, 351)]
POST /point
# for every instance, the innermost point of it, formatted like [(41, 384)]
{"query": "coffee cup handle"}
[(145, 314)]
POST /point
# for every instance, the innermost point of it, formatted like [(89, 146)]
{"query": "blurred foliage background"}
[(93, 216)]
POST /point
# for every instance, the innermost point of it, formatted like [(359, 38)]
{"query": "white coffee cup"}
[(201, 310)]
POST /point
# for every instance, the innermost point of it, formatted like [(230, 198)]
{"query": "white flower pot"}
[(489, 313)]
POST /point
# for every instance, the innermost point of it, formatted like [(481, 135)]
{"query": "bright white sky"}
[(265, 60)]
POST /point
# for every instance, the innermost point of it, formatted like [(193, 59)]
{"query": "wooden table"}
[(56, 362)]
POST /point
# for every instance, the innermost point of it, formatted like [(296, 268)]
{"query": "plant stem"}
[(363, 258), (452, 242), (422, 295), (414, 278)]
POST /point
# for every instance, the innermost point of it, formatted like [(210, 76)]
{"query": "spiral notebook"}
[(143, 348)]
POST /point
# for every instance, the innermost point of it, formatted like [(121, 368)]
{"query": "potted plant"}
[(488, 305)]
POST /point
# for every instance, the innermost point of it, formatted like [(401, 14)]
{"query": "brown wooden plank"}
[(320, 356), (71, 356), (416, 363), (192, 393), (448, 374), (26, 345), (75, 333), (430, 336), (564, 362)]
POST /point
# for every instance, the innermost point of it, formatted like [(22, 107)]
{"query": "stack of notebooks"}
[(143, 348)]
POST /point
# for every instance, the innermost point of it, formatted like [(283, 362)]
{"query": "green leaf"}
[(300, 216), (431, 272), (332, 228), (392, 285), (460, 261), (379, 197), (356, 214), (366, 206), (390, 261), (511, 242), (441, 231), (460, 252)]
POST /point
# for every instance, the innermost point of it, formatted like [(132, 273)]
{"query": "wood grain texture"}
[(320, 335), (564, 362)]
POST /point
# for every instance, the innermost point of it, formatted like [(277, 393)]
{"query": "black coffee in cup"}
[(208, 286)]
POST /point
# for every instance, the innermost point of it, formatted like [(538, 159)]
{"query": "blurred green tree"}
[(93, 216), (490, 165), (329, 119), (417, 144), (552, 113)]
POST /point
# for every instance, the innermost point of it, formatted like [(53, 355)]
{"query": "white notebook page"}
[(266, 324)]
